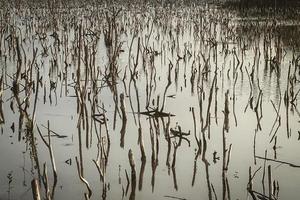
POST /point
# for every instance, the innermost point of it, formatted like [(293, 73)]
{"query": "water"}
[(184, 56)]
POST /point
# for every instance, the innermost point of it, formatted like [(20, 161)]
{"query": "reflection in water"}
[(133, 175), (150, 103)]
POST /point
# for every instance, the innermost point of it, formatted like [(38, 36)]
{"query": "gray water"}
[(202, 50)]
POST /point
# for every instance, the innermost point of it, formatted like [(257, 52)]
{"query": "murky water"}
[(204, 102)]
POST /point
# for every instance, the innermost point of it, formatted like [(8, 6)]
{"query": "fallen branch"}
[(278, 161)]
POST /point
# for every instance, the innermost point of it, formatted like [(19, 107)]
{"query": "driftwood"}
[(55, 134), (258, 195), (50, 149), (89, 194), (156, 113), (172, 197), (124, 120), (35, 189), (133, 175), (278, 161), (99, 118), (181, 135)]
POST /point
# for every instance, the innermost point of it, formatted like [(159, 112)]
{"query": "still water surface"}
[(180, 63)]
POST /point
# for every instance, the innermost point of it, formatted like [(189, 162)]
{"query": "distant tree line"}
[(79, 3), (264, 3)]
